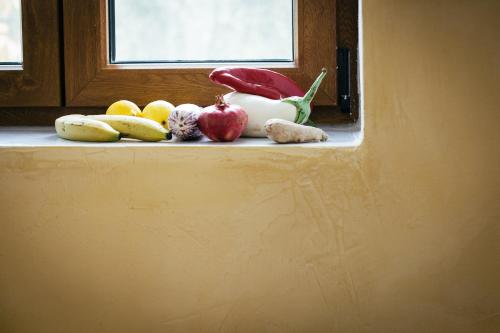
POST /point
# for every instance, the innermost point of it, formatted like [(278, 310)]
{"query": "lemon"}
[(158, 111), (123, 108)]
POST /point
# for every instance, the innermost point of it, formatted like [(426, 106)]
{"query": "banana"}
[(80, 128), (135, 127)]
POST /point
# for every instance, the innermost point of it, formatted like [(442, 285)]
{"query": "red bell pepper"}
[(256, 81)]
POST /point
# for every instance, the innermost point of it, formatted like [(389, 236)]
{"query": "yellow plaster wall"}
[(399, 235)]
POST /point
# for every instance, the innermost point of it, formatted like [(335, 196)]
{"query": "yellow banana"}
[(135, 127), (80, 128)]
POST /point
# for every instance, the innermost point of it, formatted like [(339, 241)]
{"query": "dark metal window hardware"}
[(344, 79)]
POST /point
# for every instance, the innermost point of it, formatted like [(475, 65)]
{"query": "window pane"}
[(202, 31), (10, 32)]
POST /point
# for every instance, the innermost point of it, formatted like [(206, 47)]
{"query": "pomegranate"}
[(223, 121)]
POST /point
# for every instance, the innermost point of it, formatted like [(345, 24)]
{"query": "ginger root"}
[(284, 131)]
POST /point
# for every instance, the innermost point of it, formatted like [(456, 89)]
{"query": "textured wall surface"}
[(399, 235)]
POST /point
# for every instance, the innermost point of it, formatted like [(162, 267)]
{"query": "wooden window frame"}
[(91, 81), (37, 82), (41, 111)]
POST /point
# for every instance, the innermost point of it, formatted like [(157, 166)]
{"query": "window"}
[(92, 80), (29, 66), (10, 33), (193, 31), (87, 54)]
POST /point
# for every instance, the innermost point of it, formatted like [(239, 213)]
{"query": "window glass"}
[(10, 32), (201, 31)]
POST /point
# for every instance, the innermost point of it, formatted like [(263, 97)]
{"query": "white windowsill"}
[(341, 136)]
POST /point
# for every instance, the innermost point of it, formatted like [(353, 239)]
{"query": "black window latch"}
[(344, 79)]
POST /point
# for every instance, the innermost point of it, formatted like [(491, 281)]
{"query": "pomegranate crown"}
[(220, 102)]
